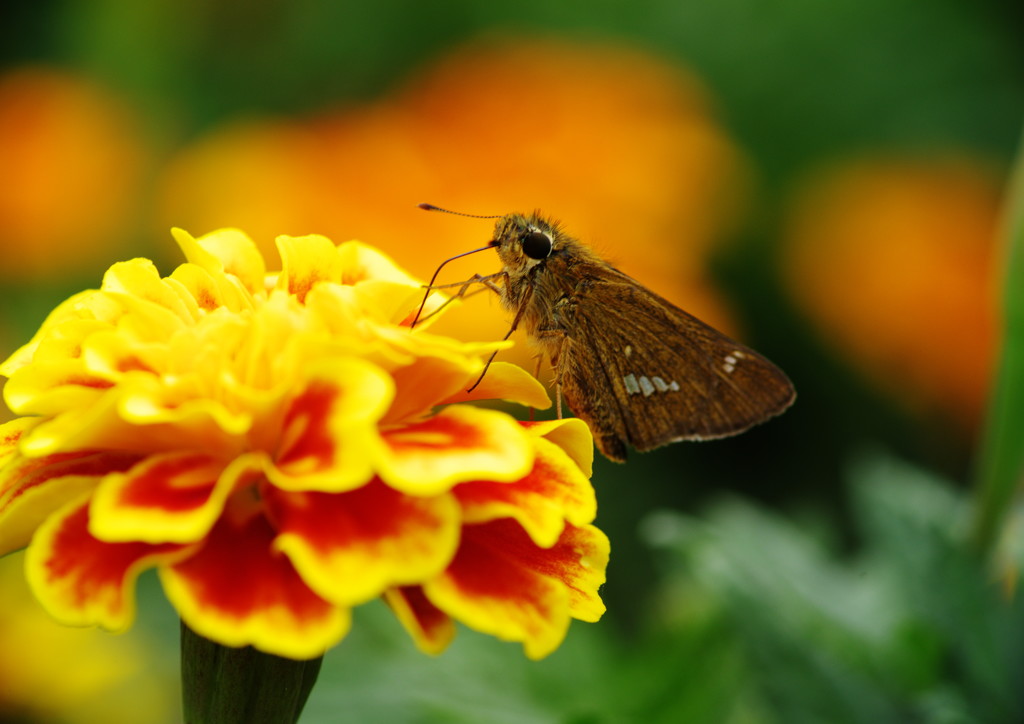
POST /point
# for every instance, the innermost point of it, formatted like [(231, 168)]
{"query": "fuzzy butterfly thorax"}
[(542, 267)]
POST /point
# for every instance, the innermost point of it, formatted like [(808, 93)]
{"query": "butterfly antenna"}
[(431, 207)]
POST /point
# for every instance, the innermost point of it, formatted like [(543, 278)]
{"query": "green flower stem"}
[(1001, 457), (225, 685)]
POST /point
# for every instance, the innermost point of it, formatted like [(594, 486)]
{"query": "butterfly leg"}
[(486, 281), (461, 294), (515, 324), (553, 341), (536, 373)]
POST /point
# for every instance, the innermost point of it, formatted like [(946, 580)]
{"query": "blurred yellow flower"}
[(894, 261), (72, 159), (272, 443), (616, 143), (98, 679)]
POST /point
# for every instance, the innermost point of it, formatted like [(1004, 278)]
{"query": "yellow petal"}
[(227, 251), (361, 262), (89, 306), (572, 435), (507, 382), (139, 280)]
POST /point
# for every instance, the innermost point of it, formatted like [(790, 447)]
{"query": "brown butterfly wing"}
[(640, 370)]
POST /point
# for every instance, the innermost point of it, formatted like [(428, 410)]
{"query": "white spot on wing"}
[(628, 351), (648, 385)]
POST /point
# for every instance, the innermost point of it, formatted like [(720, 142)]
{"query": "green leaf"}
[(910, 629), (1001, 460)]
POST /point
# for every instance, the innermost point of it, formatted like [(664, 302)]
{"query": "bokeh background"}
[(825, 181)]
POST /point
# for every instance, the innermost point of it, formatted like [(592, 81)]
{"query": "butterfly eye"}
[(537, 245)]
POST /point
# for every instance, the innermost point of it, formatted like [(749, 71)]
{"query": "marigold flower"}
[(283, 447)]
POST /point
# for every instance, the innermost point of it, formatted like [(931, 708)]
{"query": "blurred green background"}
[(827, 181)]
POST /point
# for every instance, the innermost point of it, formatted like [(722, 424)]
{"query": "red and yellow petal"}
[(52, 386), (430, 627), (459, 443), (553, 492), (84, 581), (306, 261), (11, 434), (110, 356), (502, 583), (31, 489), (579, 560), (238, 591), (491, 587), (212, 291), (170, 498), (329, 439), (350, 547)]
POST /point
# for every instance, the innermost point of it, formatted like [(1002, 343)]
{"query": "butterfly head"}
[(524, 241)]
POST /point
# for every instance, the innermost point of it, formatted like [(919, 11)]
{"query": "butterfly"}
[(636, 368)]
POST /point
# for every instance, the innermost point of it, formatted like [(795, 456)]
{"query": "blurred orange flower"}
[(894, 262), (72, 159), (620, 146)]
